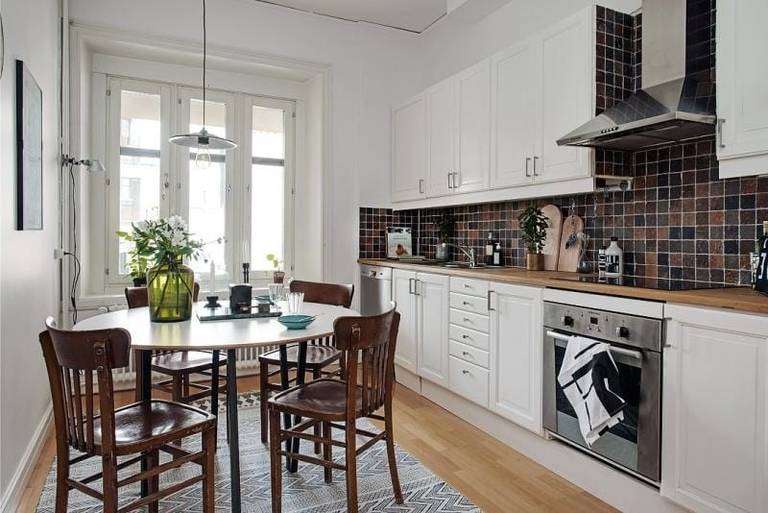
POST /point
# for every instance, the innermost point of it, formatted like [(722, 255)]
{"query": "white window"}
[(239, 203)]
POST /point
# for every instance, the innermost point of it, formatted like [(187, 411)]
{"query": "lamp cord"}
[(73, 253), (205, 57)]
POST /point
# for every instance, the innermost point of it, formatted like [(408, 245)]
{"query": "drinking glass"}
[(276, 292), (295, 302)]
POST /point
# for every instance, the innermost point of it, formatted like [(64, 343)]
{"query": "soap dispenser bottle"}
[(614, 260)]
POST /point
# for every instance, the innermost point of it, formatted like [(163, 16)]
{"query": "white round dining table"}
[(220, 335)]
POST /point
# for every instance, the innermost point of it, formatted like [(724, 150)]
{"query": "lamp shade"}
[(203, 139)]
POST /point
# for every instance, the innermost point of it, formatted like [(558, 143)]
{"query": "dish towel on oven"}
[(590, 380)]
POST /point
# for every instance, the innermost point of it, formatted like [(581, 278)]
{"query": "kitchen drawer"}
[(473, 304), (468, 380), (471, 287), (470, 337), (468, 353), (470, 320)]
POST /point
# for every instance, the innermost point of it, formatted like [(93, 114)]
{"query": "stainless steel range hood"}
[(672, 105)]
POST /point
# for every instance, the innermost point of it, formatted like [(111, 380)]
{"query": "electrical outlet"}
[(58, 253)]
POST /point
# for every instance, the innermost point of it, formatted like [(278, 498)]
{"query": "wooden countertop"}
[(735, 298)]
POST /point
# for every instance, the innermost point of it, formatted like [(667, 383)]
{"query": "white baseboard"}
[(12, 496), (408, 379), (621, 491)]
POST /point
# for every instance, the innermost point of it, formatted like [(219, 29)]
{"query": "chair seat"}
[(185, 361), (321, 398), (317, 356), (156, 421)]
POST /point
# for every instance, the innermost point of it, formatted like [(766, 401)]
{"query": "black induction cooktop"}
[(650, 283)]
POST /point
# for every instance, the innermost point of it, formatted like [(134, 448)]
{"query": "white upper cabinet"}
[(565, 81), (742, 87), (516, 354), (474, 136), (514, 130), (409, 150), (441, 124), (715, 443), (492, 129)]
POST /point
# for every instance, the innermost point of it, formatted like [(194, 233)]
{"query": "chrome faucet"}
[(467, 251)]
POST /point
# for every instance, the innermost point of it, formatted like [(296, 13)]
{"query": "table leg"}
[(284, 384), (300, 377), (232, 428), (143, 361), (215, 386)]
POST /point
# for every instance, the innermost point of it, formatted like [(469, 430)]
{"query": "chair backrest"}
[(72, 358), (325, 293), (137, 297), (370, 341)]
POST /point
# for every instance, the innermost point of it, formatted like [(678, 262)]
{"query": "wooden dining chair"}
[(179, 366), (80, 365), (328, 402), (321, 353)]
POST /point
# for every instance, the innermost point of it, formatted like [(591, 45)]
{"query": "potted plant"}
[(164, 244), (534, 224), (278, 275), (137, 264), (445, 225)]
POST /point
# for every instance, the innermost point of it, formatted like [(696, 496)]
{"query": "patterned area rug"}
[(304, 492)]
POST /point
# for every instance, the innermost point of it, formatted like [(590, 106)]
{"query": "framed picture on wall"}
[(29, 150)]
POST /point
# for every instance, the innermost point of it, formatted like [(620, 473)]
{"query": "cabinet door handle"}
[(535, 159), (720, 137), (466, 303), (527, 163), (421, 186), (466, 337), (490, 309), (465, 372), (455, 180), (450, 180), (411, 286), (466, 353), (416, 286)]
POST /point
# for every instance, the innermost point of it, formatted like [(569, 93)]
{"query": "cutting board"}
[(552, 242), (568, 259)]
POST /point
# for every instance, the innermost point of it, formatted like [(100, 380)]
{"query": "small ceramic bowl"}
[(296, 321)]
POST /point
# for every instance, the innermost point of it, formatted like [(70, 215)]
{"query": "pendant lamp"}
[(203, 141)]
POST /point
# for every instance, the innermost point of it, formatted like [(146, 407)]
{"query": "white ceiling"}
[(413, 15)]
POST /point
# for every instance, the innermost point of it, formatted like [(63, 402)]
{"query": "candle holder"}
[(246, 272)]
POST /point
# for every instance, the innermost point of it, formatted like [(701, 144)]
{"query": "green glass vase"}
[(169, 290)]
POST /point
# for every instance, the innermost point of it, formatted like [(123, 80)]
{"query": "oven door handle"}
[(637, 355)]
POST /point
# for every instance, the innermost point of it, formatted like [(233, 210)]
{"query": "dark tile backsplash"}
[(679, 222)]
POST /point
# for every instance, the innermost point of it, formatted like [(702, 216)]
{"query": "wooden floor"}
[(495, 477)]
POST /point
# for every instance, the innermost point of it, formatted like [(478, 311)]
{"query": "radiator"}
[(247, 363)]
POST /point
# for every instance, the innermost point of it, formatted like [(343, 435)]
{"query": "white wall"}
[(28, 272)]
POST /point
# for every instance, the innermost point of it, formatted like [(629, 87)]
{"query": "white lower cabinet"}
[(516, 354), (406, 351), (432, 307), (715, 408)]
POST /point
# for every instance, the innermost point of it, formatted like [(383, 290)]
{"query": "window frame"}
[(174, 160), (260, 277)]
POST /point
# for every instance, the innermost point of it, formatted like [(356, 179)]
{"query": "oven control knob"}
[(567, 320), (622, 332)]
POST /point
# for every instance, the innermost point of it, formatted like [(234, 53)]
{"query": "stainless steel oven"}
[(633, 445)]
